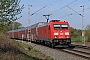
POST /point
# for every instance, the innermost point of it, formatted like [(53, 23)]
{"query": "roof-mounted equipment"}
[(54, 20)]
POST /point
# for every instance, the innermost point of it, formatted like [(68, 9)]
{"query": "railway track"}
[(77, 52), (80, 46)]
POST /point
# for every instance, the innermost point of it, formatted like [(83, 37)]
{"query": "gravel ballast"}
[(55, 54)]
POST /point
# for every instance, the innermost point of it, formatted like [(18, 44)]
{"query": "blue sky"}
[(58, 9)]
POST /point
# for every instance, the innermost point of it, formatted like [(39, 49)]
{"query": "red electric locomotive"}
[(55, 33)]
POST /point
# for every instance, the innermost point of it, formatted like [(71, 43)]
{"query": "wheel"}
[(52, 45)]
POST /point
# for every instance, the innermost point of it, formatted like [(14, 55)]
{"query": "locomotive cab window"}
[(60, 26), (56, 27), (64, 26)]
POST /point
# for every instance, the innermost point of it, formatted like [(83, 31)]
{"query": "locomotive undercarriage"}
[(68, 41), (60, 42), (55, 42)]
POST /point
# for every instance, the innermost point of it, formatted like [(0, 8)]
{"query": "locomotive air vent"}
[(54, 20)]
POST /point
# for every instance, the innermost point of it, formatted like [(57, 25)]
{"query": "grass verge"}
[(14, 50)]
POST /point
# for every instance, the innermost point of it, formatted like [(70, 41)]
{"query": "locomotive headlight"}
[(66, 33), (66, 36), (55, 36), (55, 33)]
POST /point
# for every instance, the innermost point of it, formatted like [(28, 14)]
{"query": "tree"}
[(9, 9), (88, 27), (75, 34), (14, 26), (87, 32), (17, 25)]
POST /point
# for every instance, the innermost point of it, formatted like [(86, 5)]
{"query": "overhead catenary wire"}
[(73, 13), (66, 15), (38, 10), (57, 9), (68, 5), (81, 2), (43, 8), (63, 7), (52, 4), (74, 10), (36, 19)]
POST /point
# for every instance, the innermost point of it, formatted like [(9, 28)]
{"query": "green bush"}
[(80, 39)]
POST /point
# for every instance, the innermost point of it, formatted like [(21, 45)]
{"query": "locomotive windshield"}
[(60, 26)]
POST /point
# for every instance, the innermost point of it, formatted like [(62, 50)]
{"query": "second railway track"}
[(81, 52), (78, 53)]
